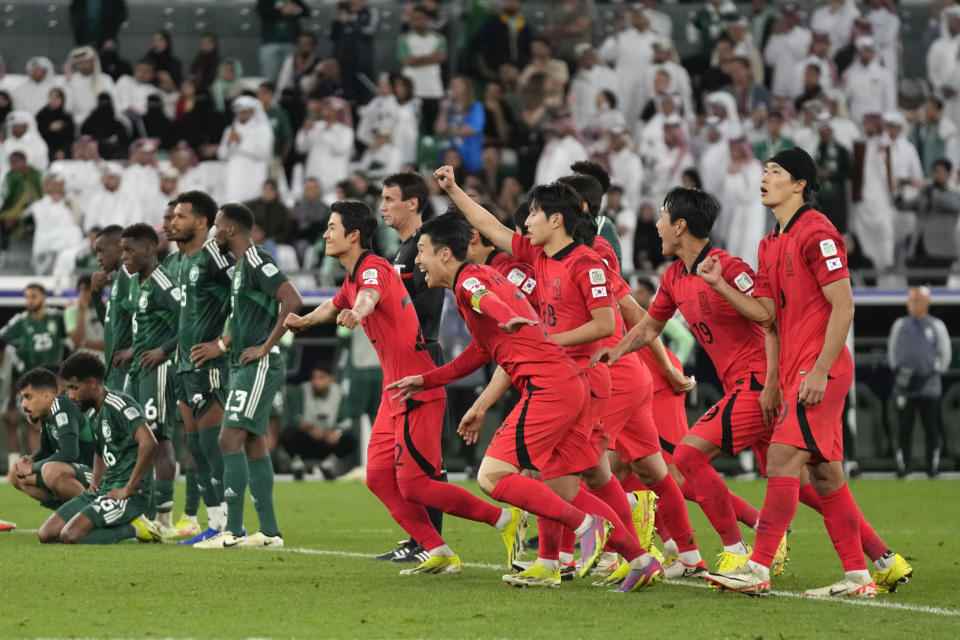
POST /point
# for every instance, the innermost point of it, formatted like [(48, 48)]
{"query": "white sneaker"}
[(223, 540), (608, 562), (259, 540), (747, 579), (845, 587)]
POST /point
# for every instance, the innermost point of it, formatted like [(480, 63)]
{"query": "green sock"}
[(261, 490), (110, 535), (203, 471), (210, 443), (235, 489), (163, 501), (192, 497)]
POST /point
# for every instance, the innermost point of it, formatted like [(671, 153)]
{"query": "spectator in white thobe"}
[(943, 64), (868, 85), (328, 143), (836, 19), (788, 43), (110, 204), (628, 52), (56, 229), (22, 136), (32, 94), (563, 148), (626, 169), (85, 82), (873, 211), (591, 78), (247, 147)]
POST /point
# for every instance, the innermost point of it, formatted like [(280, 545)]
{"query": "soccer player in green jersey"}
[(110, 510), (62, 467), (38, 334), (115, 315), (205, 278), (150, 379), (261, 298)]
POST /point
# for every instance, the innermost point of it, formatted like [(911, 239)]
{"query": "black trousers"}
[(929, 410)]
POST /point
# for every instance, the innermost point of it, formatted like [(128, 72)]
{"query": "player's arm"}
[(761, 310), (146, 452), (840, 296), (481, 219), (486, 302), (366, 302), (472, 421), (290, 302), (641, 335), (771, 398), (68, 450), (633, 314), (600, 326), (98, 281), (469, 360), (99, 468), (323, 314)]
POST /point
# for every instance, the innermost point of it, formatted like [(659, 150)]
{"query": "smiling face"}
[(338, 242), (669, 232), (431, 261), (777, 185)]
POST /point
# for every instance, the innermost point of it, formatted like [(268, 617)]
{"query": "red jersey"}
[(794, 265), (572, 282), (604, 249), (484, 299), (734, 343), (660, 381), (393, 328), (519, 273)]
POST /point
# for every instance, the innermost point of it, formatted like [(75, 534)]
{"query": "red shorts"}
[(670, 416), (629, 423), (548, 430), (409, 441), (815, 428), (736, 421)]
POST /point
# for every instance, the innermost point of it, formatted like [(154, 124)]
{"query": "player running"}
[(802, 292), (261, 298), (120, 488)]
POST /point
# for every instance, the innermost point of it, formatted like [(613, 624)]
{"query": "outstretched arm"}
[(481, 219), (324, 314), (761, 310)]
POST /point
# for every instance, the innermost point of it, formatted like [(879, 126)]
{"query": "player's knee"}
[(50, 473), (687, 459), (488, 481), (48, 534), (415, 489)]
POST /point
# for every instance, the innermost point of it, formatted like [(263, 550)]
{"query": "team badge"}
[(144, 301), (369, 273), (105, 429), (744, 282), (472, 284), (788, 263), (556, 288), (516, 277), (62, 419), (270, 270), (131, 413), (704, 303), (828, 248), (51, 327), (194, 273), (597, 276)]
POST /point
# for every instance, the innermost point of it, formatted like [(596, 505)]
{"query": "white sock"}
[(504, 520), (640, 562), (586, 524), (739, 548), (690, 558), (566, 558), (632, 499), (165, 519), (553, 565), (760, 570), (884, 562), (861, 576), (442, 550), (216, 517), (670, 548)]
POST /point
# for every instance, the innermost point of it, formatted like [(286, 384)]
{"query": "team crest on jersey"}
[(143, 301), (597, 276), (194, 273), (833, 264), (237, 281), (529, 285), (61, 419), (516, 277), (270, 270), (369, 273), (105, 429), (704, 303), (556, 288), (744, 282), (828, 248), (788, 263), (472, 284)]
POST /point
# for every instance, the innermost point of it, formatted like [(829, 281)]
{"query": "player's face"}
[(167, 225), (33, 299), (184, 224), (135, 255), (396, 211), (668, 233), (36, 402), (221, 232), (337, 243), (82, 392), (538, 227), (777, 185), (429, 262), (107, 252)]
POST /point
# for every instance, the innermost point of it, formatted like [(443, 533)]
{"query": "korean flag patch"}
[(828, 248), (833, 264), (528, 285), (597, 276), (599, 292), (744, 282), (270, 270)]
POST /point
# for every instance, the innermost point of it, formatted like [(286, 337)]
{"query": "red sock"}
[(550, 532), (873, 545), (568, 540), (449, 498), (711, 493), (674, 512), (687, 490), (779, 507), (612, 493), (412, 517), (746, 512), (627, 546), (632, 483), (809, 497), (842, 518), (535, 497)]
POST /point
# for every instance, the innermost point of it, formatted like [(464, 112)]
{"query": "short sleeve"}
[(522, 249), (221, 266), (477, 118), (267, 276), (826, 256), (589, 276), (132, 418), (664, 306), (761, 285), (11, 331), (739, 275), (341, 300), (620, 287), (376, 276)]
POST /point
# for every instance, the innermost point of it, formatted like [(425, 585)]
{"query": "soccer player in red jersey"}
[(520, 274), (547, 431), (802, 295)]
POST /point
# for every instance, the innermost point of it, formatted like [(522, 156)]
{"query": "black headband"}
[(799, 164)]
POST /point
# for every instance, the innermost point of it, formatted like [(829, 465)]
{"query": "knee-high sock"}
[(261, 490), (673, 510), (434, 513), (842, 518), (620, 539), (210, 444), (537, 498), (163, 501), (568, 540), (612, 494), (551, 538), (235, 478), (448, 498), (779, 507), (410, 516), (873, 545), (109, 535), (746, 512), (204, 484), (191, 493), (632, 483), (711, 493)]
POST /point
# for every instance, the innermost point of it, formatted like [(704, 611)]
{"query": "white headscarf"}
[(730, 127)]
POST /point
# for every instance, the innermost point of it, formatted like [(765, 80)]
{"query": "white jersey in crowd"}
[(836, 20), (247, 161), (782, 52), (557, 156), (873, 217), (143, 183), (328, 147), (427, 79), (378, 110), (406, 130)]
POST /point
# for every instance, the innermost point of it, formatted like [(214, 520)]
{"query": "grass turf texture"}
[(321, 586)]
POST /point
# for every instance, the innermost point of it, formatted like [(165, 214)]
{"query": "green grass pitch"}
[(325, 585)]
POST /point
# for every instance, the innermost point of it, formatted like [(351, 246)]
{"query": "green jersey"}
[(113, 432), (254, 309), (115, 316), (204, 300), (37, 342), (157, 304), (171, 267), (65, 436)]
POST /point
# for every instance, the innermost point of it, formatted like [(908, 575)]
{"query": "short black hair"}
[(557, 197), (269, 86), (611, 97), (110, 230), (201, 205), (238, 214), (937, 101), (356, 216), (698, 208), (520, 215), (141, 231), (449, 230), (36, 285), (647, 284), (85, 280), (39, 378), (775, 113), (943, 162), (589, 188), (83, 365), (489, 206), (594, 170), (412, 185)]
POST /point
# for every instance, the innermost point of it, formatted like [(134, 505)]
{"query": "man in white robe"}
[(140, 180), (592, 77), (874, 215), (22, 136), (56, 229), (788, 43), (111, 204), (943, 64), (626, 169), (328, 143), (32, 94), (85, 82), (629, 52), (246, 147), (868, 85)]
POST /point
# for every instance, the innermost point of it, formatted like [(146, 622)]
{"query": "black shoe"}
[(532, 543), (408, 551)]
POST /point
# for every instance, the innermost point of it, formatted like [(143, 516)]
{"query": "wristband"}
[(221, 345)]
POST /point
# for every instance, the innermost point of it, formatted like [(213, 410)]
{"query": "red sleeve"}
[(739, 275), (341, 301), (620, 287), (492, 306), (589, 276), (376, 276), (761, 286), (663, 306), (826, 256), (522, 249), (471, 359)]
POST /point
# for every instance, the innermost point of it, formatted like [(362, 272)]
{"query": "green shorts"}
[(178, 391), (155, 393), (116, 378), (82, 472), (252, 391), (204, 387), (102, 511)]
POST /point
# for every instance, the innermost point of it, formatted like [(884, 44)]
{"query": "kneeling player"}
[(119, 492), (61, 469)]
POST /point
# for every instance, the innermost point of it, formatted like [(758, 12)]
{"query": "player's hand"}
[(348, 318), (94, 488), (604, 355), (122, 358), (711, 271), (204, 352), (470, 424), (407, 387), (252, 354), (679, 382), (152, 359), (771, 399), (444, 177), (22, 467), (122, 493), (295, 323), (516, 323), (812, 387)]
